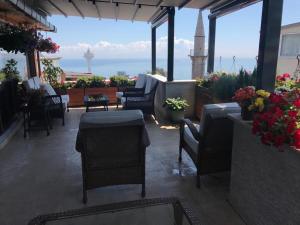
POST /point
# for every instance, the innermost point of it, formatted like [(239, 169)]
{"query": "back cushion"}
[(140, 83), (149, 81), (37, 82), (50, 91), (217, 110)]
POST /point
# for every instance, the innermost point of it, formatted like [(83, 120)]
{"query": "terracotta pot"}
[(110, 92), (76, 96)]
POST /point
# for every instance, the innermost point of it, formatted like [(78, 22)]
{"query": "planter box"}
[(76, 96), (265, 183), (110, 92)]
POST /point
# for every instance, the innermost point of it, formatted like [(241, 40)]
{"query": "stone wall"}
[(178, 88)]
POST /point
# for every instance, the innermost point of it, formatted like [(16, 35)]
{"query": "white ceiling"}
[(108, 9)]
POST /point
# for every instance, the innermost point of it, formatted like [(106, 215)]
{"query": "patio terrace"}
[(42, 174)]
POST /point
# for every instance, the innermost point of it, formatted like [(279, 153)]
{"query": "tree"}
[(10, 69), (51, 72)]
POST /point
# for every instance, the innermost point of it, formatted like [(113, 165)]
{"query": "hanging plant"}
[(47, 45), (17, 39)]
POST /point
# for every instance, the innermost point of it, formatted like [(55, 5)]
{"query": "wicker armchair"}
[(142, 101), (112, 152), (209, 144), (139, 88)]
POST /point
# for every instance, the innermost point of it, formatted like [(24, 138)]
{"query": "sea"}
[(132, 67)]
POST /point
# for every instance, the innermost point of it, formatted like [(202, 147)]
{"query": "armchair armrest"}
[(48, 97), (133, 94), (133, 89), (192, 128)]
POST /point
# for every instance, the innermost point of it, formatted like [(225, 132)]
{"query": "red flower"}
[(297, 139), (296, 103)]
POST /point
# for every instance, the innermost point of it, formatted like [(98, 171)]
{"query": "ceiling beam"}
[(98, 11), (135, 12), (184, 3), (230, 6), (56, 7), (77, 8), (117, 11), (159, 3), (210, 4)]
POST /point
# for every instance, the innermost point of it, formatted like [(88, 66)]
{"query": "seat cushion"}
[(136, 102), (218, 110), (119, 94), (37, 82), (189, 138), (140, 82)]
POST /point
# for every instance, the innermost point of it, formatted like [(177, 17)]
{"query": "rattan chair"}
[(209, 144)]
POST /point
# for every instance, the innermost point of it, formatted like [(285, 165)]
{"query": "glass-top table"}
[(159, 211)]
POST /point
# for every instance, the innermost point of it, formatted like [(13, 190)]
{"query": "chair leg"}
[(198, 179), (143, 190), (180, 154), (63, 119), (84, 198)]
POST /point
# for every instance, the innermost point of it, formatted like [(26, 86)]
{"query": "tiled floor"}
[(42, 174)]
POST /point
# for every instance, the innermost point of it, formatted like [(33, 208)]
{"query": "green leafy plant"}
[(120, 81), (81, 83), (225, 87), (51, 72), (96, 81), (176, 104), (10, 70)]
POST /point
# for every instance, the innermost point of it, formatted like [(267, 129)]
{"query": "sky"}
[(237, 34)]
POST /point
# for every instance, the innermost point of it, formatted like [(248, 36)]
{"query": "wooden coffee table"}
[(158, 211), (96, 100)]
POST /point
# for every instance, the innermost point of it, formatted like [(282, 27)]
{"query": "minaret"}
[(88, 55), (198, 56)]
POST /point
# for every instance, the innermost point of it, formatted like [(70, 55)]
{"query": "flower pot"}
[(176, 116), (245, 113)]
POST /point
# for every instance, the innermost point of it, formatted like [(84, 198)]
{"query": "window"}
[(290, 45)]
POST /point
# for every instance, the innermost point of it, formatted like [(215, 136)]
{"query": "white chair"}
[(138, 88), (59, 103)]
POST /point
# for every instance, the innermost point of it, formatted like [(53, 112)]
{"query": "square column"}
[(269, 44), (211, 44), (171, 17), (153, 49)]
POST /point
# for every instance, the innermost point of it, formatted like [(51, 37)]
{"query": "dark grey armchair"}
[(112, 147), (209, 144), (142, 101)]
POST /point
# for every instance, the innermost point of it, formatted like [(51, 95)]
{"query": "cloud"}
[(137, 49)]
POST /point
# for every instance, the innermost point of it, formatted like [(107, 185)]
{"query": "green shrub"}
[(225, 87), (2, 76), (81, 83), (120, 81), (176, 104), (96, 81)]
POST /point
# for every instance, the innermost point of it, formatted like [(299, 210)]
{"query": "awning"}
[(15, 12), (134, 10)]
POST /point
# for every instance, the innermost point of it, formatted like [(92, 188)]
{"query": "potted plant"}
[(244, 97), (176, 107)]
